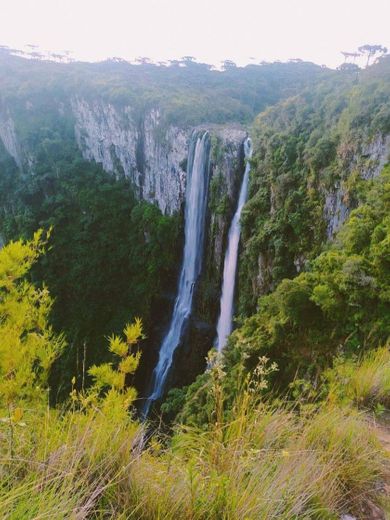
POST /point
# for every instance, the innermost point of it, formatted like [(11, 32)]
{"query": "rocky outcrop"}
[(367, 159), (147, 150), (336, 210), (141, 147), (8, 136), (226, 173)]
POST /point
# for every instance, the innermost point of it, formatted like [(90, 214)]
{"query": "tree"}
[(228, 64), (28, 346), (110, 392), (372, 50), (348, 55), (349, 67)]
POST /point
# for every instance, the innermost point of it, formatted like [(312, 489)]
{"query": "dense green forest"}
[(189, 92), (136, 250), (108, 258), (307, 147), (288, 423)]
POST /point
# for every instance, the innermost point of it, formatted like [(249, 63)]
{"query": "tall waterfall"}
[(224, 326), (195, 212)]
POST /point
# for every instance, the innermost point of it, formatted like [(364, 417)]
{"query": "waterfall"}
[(224, 327), (195, 213)]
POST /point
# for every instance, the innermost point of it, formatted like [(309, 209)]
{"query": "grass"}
[(259, 462), (65, 466), (365, 383), (269, 464)]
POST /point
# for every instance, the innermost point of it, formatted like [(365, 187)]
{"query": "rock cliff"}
[(148, 151), (8, 136), (142, 148), (130, 142), (365, 158)]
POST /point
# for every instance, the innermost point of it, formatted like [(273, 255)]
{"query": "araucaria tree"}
[(372, 50)]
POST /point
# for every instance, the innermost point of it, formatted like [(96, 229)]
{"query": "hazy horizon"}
[(211, 32)]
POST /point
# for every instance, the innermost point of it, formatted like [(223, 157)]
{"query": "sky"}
[(245, 31)]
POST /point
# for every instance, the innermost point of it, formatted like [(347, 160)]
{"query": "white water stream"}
[(224, 327)]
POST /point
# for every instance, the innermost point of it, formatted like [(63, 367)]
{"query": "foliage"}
[(372, 50), (28, 346), (261, 461), (196, 405), (104, 247), (306, 151), (68, 463), (340, 302), (89, 460), (366, 383), (110, 381)]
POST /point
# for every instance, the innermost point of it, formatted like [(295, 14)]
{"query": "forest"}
[(292, 419)]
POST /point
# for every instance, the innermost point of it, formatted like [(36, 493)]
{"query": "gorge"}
[(150, 212), (103, 152)]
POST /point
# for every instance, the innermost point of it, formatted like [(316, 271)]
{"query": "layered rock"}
[(226, 173), (142, 148)]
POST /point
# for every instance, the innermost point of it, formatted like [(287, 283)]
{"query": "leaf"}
[(17, 415), (129, 364), (117, 346), (133, 332)]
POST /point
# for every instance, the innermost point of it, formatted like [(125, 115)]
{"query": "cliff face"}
[(366, 159), (140, 146), (226, 172), (151, 154), (8, 136)]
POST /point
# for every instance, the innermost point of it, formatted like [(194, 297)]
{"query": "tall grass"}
[(269, 464), (257, 462), (65, 465), (365, 383)]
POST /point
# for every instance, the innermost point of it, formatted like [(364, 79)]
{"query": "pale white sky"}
[(210, 30)]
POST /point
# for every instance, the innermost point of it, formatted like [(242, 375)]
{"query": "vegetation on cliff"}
[(340, 302), (287, 423), (109, 256), (309, 147), (91, 459)]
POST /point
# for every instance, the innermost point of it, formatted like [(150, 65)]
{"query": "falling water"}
[(224, 326), (195, 211)]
